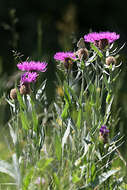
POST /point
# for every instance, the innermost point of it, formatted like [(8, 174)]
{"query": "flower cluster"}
[(101, 40), (30, 76), (31, 66)]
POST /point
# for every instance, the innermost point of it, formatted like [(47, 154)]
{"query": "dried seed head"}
[(82, 53), (13, 94), (25, 89), (110, 60)]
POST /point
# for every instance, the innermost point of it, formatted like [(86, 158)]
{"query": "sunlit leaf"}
[(58, 147), (66, 134), (96, 50)]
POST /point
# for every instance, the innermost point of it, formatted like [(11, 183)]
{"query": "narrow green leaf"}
[(24, 120), (13, 134), (58, 149), (34, 116), (16, 170), (44, 163), (65, 111), (103, 177), (20, 100), (93, 171), (96, 50), (66, 134), (27, 179), (73, 93), (41, 90), (79, 119), (75, 178), (56, 181), (66, 93), (99, 180), (35, 120), (106, 82), (7, 168), (108, 98)]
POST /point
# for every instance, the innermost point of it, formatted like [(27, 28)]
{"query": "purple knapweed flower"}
[(61, 56), (32, 66), (103, 130), (94, 36), (28, 77)]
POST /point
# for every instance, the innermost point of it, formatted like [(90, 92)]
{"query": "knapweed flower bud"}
[(13, 94), (25, 89), (104, 132), (110, 60), (82, 53)]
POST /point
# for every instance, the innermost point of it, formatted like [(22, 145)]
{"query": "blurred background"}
[(38, 29)]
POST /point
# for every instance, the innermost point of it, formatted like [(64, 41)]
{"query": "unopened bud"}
[(13, 94), (103, 138), (82, 53), (110, 60)]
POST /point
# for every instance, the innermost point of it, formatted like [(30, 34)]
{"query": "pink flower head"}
[(32, 66), (28, 77), (94, 36), (61, 56)]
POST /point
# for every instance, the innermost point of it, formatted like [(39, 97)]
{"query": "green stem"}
[(82, 88)]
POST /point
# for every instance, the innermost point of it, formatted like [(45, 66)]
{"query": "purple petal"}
[(60, 56), (32, 66)]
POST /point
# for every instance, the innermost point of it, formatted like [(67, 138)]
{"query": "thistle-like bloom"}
[(28, 77), (61, 56), (103, 130), (32, 66), (94, 36)]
